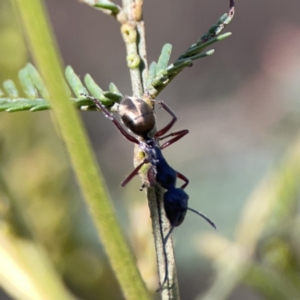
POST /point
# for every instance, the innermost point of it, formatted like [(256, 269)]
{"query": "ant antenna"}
[(204, 217)]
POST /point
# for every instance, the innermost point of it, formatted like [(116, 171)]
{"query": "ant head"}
[(175, 204), (137, 115)]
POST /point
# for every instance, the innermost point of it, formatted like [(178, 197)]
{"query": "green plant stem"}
[(45, 55), (160, 223)]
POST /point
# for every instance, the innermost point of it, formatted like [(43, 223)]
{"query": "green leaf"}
[(19, 108), (40, 107), (33, 84), (201, 55), (19, 104), (112, 96), (84, 104), (151, 74), (196, 48), (113, 88), (174, 69), (157, 82), (92, 86), (106, 6), (27, 84), (163, 59), (74, 82), (10, 88), (96, 91), (37, 81)]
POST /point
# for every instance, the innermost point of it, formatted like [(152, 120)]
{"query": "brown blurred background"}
[(241, 106)]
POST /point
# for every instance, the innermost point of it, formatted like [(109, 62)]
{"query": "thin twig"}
[(134, 36), (130, 36)]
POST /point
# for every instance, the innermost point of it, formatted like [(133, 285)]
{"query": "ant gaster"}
[(138, 116)]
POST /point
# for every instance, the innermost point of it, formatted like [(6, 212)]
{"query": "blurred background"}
[(242, 109)]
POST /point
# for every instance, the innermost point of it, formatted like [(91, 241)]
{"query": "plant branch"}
[(134, 37), (129, 34)]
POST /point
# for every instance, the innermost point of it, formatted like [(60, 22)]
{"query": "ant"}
[(138, 116)]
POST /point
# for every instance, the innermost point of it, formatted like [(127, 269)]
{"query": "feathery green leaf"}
[(37, 94), (105, 6), (164, 74), (11, 89)]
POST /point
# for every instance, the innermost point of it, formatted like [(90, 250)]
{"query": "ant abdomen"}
[(137, 115)]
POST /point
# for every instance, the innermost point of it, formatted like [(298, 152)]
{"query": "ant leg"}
[(181, 133), (185, 179), (177, 136), (134, 172), (109, 115), (169, 126)]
